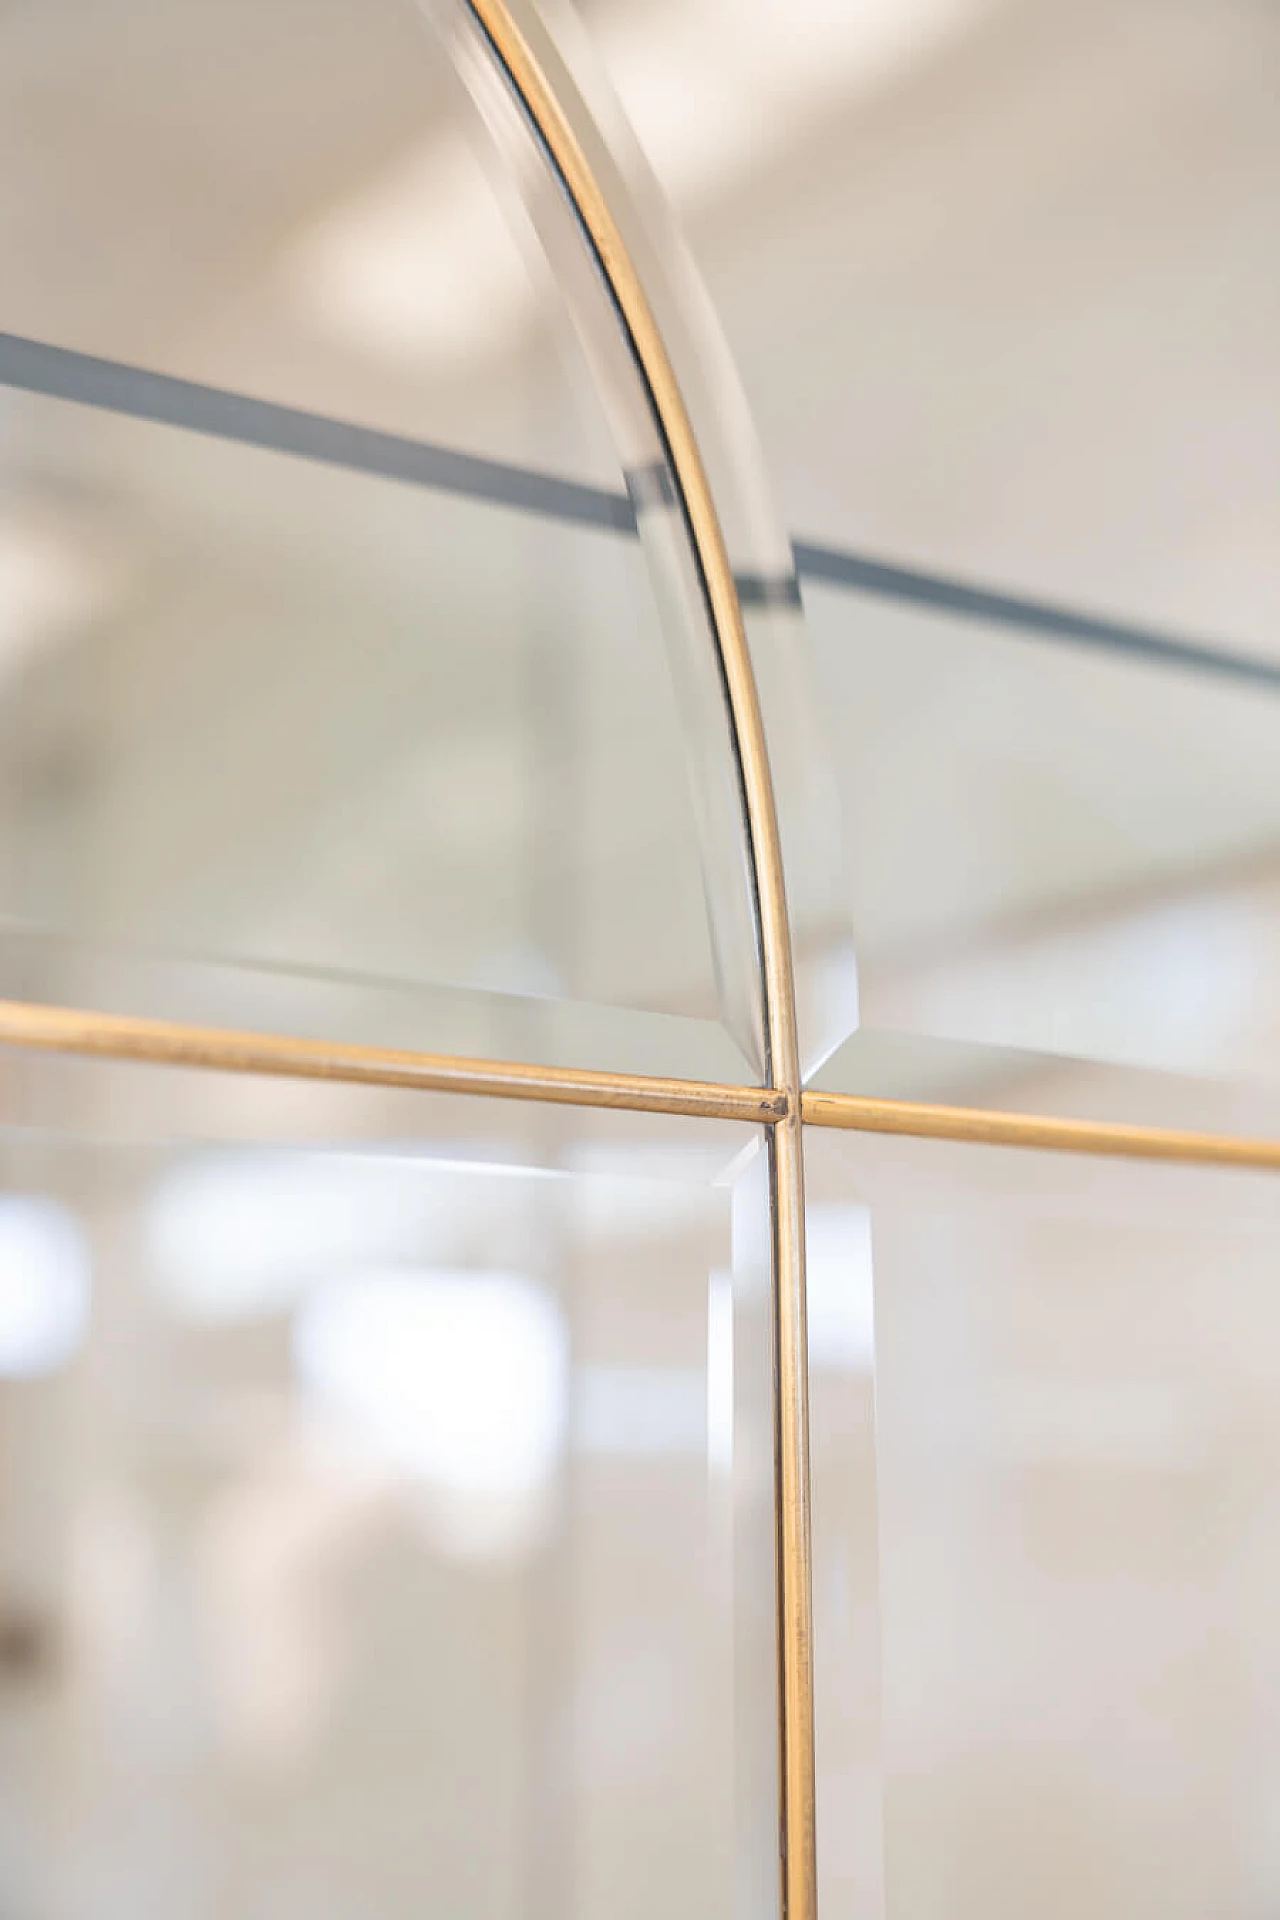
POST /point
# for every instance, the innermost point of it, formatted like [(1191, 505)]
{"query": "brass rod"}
[(171, 1043), (987, 1127), (125, 1037)]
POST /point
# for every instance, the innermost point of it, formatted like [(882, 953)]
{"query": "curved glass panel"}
[(1060, 833), (327, 638), (757, 545), (1066, 1542), (386, 1511), (999, 285)]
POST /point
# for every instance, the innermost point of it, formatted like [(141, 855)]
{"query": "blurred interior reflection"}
[(1078, 1494), (370, 1514), (1053, 847), (258, 707), (386, 1496), (389, 713)]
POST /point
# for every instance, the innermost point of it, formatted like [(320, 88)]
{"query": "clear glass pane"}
[(328, 640), (1000, 282), (622, 66), (386, 1491), (293, 208), (1052, 844), (846, 1586), (1077, 1491), (359, 1008)]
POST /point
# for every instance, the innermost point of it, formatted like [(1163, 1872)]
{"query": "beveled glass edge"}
[(54, 967)]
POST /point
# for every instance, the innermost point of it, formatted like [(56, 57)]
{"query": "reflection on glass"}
[(295, 716), (44, 1286), (1077, 1499), (1052, 846), (326, 640), (371, 1517), (756, 544), (302, 216)]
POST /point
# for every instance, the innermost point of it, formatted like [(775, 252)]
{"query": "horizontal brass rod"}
[(168, 1043), (984, 1127), (113, 1036)]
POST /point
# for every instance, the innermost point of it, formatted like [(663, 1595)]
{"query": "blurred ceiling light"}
[(44, 1287), (679, 87), (52, 578), (422, 267), (235, 1234), (841, 1298), (457, 1379), (713, 90)]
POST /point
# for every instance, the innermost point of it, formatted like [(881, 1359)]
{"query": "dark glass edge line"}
[(831, 566), (163, 398), (62, 373)]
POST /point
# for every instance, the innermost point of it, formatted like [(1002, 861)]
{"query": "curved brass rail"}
[(547, 114)]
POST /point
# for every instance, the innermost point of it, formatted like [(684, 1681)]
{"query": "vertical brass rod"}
[(782, 1068)]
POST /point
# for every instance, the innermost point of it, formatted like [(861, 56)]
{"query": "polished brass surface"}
[(987, 1127), (169, 1043), (794, 1554)]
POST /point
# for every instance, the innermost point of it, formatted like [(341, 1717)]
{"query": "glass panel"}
[(303, 662), (385, 1508), (1078, 1506), (1056, 845), (293, 208), (648, 57), (999, 282), (846, 1594), (362, 1009)]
